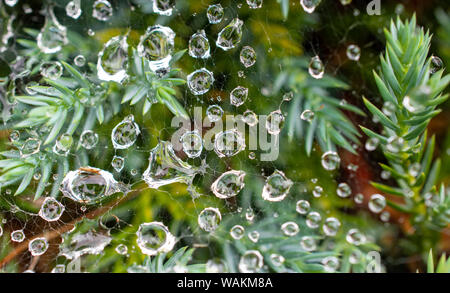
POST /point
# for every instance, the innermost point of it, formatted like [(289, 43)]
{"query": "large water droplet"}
[(154, 238), (251, 262), (309, 5), (52, 70), (89, 139), (229, 184), (229, 143), (30, 147), (102, 10), (238, 96), (157, 46), (214, 113), (200, 81), (17, 236), (290, 228), (51, 209), (113, 59), (89, 185), (237, 232), (199, 45), (330, 160), (214, 13), (76, 244), (163, 7), (302, 207), (209, 219), (313, 220), (377, 203), (230, 35), (38, 246), (277, 187), (353, 52), (73, 9), (192, 143), (331, 226), (125, 133), (316, 68), (53, 35)]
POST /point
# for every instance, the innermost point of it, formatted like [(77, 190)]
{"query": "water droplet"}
[(229, 184), (163, 7), (343, 190), (214, 113), (331, 226), (275, 122), (89, 139), (165, 167), (229, 143), (51, 209), (214, 13), (230, 35), (388, 108), (395, 144), (353, 52), (199, 45), (250, 118), (277, 187), (308, 243), (79, 60), (359, 198), (237, 232), (330, 160), (200, 81), (372, 144), (302, 207), (355, 257), (63, 144), (251, 262), (309, 5), (330, 264), (251, 155), (215, 266), (254, 4), (192, 143), (238, 96), (11, 3), (355, 237), (59, 269), (30, 147), (317, 191), (209, 219), (249, 214), (118, 163), (38, 246), (52, 70), (53, 35), (157, 45), (17, 236), (248, 56), (385, 216), (436, 64), (316, 68), (73, 9), (377, 203), (125, 133), (277, 259), (89, 185), (121, 249), (290, 228), (113, 60), (313, 220), (102, 10), (414, 169), (154, 238), (253, 236), (76, 244), (14, 135), (307, 115)]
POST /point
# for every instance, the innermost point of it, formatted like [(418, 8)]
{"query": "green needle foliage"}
[(411, 89)]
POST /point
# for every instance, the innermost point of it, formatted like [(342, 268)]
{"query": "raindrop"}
[(11, 3), (53, 35), (251, 262), (355, 257), (200, 81), (372, 144), (230, 35), (229, 143), (302, 207), (307, 115), (353, 52), (118, 163), (79, 60), (89, 185), (163, 7), (388, 108), (121, 249), (229, 184), (288, 96), (343, 190), (238, 96), (385, 216), (313, 220), (214, 13), (76, 245), (253, 236), (199, 45), (38, 246), (250, 118), (51, 209), (436, 64), (316, 68), (154, 238), (157, 45), (237, 232), (277, 259), (102, 10), (277, 187), (89, 139), (125, 133), (63, 144), (290, 229), (359, 198), (17, 236), (51, 70), (248, 56), (30, 147), (249, 214), (73, 9), (377, 203), (215, 266), (414, 169), (59, 269), (309, 5), (331, 226), (275, 122), (330, 264), (330, 160), (317, 191), (395, 144), (209, 219), (214, 113), (254, 4), (308, 243), (355, 237), (113, 60), (192, 143)]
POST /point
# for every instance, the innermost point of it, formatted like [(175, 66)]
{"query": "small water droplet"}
[(237, 232), (302, 207), (88, 139), (307, 115), (331, 226), (275, 122), (102, 10), (17, 236), (353, 52), (73, 9), (52, 70), (199, 45), (229, 184), (200, 81), (51, 209), (308, 243), (118, 163), (247, 56), (277, 187), (309, 5), (192, 143), (125, 133), (229, 143), (79, 60), (290, 228), (343, 190), (154, 238), (238, 96), (163, 7), (316, 68), (251, 262), (313, 220), (214, 113)]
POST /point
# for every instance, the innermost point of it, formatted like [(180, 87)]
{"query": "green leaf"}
[(383, 118), (25, 181)]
